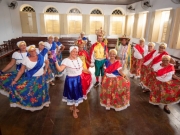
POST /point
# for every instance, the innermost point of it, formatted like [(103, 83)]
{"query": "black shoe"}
[(167, 110), (96, 84)]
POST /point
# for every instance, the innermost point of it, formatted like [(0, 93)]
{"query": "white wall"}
[(10, 25)]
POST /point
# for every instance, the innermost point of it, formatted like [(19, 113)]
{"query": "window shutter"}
[(136, 16), (78, 26), (24, 22), (34, 22), (42, 24), (56, 26), (86, 24)]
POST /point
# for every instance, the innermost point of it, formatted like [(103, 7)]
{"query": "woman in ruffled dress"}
[(144, 67), (30, 92), (7, 78), (140, 50), (59, 49), (166, 87), (72, 94), (86, 75), (115, 91)]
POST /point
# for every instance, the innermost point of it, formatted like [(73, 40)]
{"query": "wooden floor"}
[(141, 118)]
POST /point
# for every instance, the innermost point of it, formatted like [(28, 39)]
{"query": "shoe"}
[(131, 75), (136, 77), (167, 110), (96, 84)]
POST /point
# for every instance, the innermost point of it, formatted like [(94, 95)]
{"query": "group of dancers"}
[(27, 86)]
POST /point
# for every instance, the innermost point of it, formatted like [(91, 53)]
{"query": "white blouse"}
[(166, 77), (73, 67), (48, 46), (137, 55), (122, 50), (29, 65), (19, 57), (149, 61)]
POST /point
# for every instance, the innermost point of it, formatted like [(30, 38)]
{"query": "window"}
[(129, 25), (96, 22), (117, 24), (160, 26), (51, 10), (139, 25), (175, 35), (74, 21), (52, 25), (74, 11), (28, 20), (96, 12), (117, 12)]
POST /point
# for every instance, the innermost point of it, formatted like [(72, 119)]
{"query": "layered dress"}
[(124, 54), (52, 49), (58, 58), (7, 78), (165, 90), (86, 78), (30, 92), (115, 91), (73, 94), (137, 59), (150, 74)]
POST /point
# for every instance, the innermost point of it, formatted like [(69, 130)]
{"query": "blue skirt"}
[(73, 94), (5, 81), (59, 59), (29, 93)]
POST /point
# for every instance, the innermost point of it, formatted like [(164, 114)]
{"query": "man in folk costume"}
[(123, 49), (98, 54), (86, 78), (140, 50)]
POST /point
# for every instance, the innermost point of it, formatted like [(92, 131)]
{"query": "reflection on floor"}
[(141, 118)]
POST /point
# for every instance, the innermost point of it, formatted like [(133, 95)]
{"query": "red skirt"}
[(86, 80), (165, 92), (115, 93), (145, 73), (136, 66)]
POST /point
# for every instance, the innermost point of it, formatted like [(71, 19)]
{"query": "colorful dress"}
[(7, 78), (150, 75), (124, 54), (86, 78), (73, 94), (115, 91), (137, 60), (30, 92), (59, 59), (165, 90), (145, 68), (98, 55)]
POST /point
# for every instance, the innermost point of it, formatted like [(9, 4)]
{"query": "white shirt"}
[(137, 55), (48, 46), (38, 52), (29, 65), (166, 77), (122, 50), (19, 57), (73, 67), (149, 61)]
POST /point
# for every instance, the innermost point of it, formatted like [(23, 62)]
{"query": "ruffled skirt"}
[(115, 93)]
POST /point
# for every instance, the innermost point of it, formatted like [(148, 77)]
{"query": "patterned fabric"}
[(145, 71), (52, 66), (29, 94), (49, 76), (73, 94), (5, 81), (165, 92), (115, 93), (136, 66), (59, 59)]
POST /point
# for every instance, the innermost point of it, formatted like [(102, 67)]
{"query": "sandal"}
[(52, 83), (145, 91), (166, 109)]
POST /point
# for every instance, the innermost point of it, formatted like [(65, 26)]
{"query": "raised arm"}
[(10, 65)]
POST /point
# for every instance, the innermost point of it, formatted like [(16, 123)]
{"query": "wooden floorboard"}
[(141, 118)]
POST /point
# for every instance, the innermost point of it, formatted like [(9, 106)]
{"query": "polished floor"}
[(141, 118)]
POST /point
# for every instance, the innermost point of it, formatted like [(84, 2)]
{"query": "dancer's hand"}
[(13, 82), (92, 65)]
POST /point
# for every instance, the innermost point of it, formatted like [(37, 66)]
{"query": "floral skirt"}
[(150, 79), (59, 59), (115, 93), (145, 71), (136, 66), (86, 80), (165, 92), (49, 76), (29, 93), (5, 81), (73, 94)]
